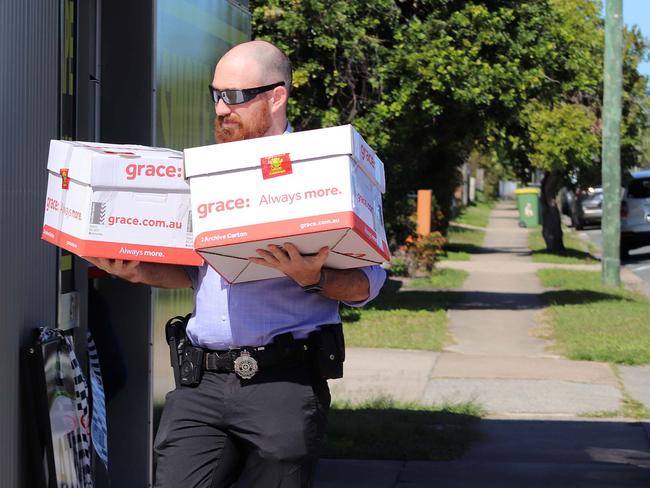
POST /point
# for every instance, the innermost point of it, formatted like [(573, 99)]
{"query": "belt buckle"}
[(245, 365)]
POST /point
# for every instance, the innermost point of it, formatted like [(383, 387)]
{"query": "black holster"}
[(328, 351), (186, 360)]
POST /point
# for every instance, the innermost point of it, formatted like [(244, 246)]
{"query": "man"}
[(265, 431)]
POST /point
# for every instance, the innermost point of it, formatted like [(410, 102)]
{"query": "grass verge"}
[(441, 278), (594, 323), (401, 320), (463, 242), (455, 256), (477, 214), (577, 251), (385, 429), (632, 409)]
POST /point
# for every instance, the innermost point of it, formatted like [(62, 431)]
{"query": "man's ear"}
[(279, 96)]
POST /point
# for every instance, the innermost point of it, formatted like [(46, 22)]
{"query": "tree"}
[(563, 136), (429, 81), (558, 129)]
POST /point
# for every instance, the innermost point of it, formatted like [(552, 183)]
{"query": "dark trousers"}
[(263, 432)]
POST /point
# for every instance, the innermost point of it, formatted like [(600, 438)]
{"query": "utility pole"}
[(611, 155)]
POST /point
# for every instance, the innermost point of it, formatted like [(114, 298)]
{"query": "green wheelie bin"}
[(528, 206)]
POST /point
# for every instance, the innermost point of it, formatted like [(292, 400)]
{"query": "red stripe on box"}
[(370, 236), (127, 251), (289, 228), (274, 230)]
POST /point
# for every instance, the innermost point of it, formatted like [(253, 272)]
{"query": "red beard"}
[(257, 128)]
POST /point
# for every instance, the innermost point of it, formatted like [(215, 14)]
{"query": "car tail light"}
[(623, 209)]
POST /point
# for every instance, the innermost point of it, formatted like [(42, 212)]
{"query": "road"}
[(639, 262)]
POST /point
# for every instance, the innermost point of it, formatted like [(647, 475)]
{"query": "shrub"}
[(398, 267), (424, 250)]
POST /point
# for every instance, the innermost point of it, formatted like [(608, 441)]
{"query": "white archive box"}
[(120, 202), (313, 188)]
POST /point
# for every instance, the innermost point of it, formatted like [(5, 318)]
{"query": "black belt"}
[(246, 361)]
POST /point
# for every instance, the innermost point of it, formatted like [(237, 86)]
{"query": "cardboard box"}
[(313, 188), (120, 202)]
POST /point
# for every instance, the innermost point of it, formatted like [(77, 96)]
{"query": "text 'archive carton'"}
[(313, 188), (119, 202)]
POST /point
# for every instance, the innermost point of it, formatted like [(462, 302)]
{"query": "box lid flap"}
[(118, 166), (300, 146)]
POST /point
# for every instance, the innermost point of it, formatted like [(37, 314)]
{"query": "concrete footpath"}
[(534, 434)]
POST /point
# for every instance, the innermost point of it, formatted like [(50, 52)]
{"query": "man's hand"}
[(153, 274), (304, 270), (127, 270), (340, 284)]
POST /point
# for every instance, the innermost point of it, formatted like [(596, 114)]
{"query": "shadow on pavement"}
[(579, 297), (568, 253), (515, 453), (473, 249), (482, 300)]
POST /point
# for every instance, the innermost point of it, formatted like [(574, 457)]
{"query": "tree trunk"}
[(551, 223)]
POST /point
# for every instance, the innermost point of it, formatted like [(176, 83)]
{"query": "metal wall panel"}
[(29, 94), (126, 47)]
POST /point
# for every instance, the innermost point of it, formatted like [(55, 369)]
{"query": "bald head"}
[(249, 65), (261, 60)]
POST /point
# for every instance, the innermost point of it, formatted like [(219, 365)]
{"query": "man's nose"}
[(221, 108)]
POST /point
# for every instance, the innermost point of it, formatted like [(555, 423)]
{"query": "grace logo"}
[(160, 170)]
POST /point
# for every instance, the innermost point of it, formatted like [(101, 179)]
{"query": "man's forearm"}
[(163, 276), (350, 285)]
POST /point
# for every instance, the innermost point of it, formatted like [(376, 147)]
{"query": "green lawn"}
[(577, 251), (591, 322), (402, 320), (463, 242), (441, 278), (385, 429), (455, 256), (476, 214)]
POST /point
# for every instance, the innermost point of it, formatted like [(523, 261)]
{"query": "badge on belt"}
[(245, 365)]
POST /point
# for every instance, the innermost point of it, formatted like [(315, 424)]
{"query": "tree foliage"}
[(562, 135), (429, 81)]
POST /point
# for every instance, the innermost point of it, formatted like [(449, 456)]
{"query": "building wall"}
[(34, 108), (29, 94)]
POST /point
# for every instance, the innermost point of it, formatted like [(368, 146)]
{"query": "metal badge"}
[(245, 365)]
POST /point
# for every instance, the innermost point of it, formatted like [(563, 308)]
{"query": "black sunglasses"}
[(235, 97)]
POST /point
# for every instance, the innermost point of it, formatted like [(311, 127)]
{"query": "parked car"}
[(567, 200), (635, 213), (587, 209)]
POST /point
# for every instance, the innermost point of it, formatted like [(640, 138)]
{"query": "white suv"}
[(635, 213)]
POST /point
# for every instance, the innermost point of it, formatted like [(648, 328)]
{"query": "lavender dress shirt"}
[(252, 313)]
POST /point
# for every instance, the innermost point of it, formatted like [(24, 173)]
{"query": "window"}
[(639, 188)]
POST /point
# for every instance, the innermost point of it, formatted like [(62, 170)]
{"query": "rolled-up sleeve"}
[(376, 277)]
